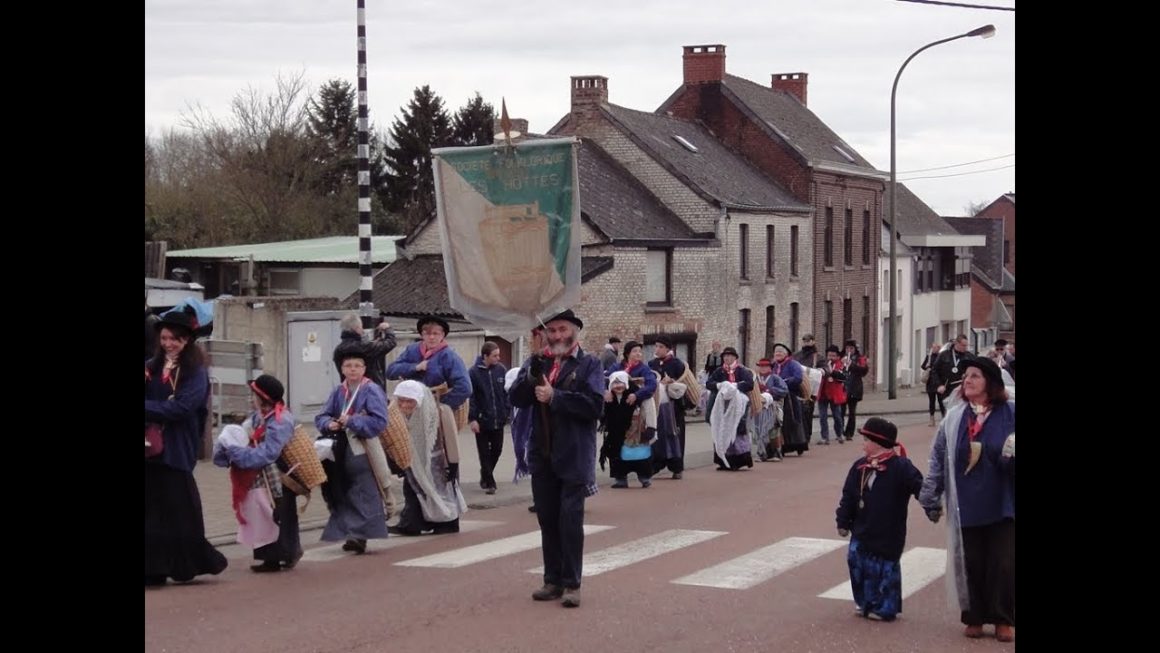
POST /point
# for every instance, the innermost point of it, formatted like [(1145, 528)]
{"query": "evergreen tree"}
[(474, 123), (423, 125)]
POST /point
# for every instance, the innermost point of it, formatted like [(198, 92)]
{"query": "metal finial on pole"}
[(366, 304)]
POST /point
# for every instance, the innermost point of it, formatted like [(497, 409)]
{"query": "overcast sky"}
[(956, 102)]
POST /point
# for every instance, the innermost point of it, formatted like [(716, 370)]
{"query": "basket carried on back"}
[(460, 413), (301, 459), (396, 438)]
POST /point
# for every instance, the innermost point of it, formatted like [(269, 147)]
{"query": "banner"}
[(509, 220)]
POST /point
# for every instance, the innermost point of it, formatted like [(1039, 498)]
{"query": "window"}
[(769, 251), (886, 285), (285, 282), (866, 323), (793, 251), (849, 243), (829, 242), (1006, 252), (793, 323), (929, 272), (828, 326), (919, 267), (931, 334), (659, 277), (865, 238), (770, 330), (947, 261), (847, 320), (744, 251), (743, 336)]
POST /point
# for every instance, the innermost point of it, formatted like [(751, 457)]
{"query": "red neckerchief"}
[(974, 424), (428, 353), (241, 480), (557, 363), (731, 371), (877, 463), (631, 366), (668, 357), (346, 394)]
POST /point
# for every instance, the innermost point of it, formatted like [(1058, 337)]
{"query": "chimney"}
[(519, 130), (793, 83), (588, 93), (704, 64)]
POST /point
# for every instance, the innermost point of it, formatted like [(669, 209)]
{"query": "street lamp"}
[(986, 31)]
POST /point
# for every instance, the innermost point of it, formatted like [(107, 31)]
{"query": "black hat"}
[(182, 319), (431, 319), (569, 316), (629, 346), (353, 352), (613, 340), (833, 348), (665, 340), (268, 388), (987, 366), (881, 431), (729, 351), (787, 348)]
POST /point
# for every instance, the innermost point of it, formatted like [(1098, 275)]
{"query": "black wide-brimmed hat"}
[(182, 319), (987, 366), (431, 319), (729, 351), (568, 316), (269, 388)]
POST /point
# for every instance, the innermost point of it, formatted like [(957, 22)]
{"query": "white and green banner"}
[(509, 219)]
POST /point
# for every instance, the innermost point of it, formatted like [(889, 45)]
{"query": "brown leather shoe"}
[(572, 598), (1004, 633), (974, 632), (548, 593)]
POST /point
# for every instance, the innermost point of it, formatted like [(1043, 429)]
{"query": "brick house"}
[(773, 128), (742, 273), (992, 281), (934, 298)]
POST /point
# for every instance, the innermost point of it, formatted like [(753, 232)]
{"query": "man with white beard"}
[(564, 388)]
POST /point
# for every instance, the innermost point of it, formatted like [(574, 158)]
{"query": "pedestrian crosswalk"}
[(735, 571), (920, 567)]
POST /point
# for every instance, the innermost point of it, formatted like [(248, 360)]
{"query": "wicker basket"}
[(756, 403), (299, 455), (396, 438), (461, 413)]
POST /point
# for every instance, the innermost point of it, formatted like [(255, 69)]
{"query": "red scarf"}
[(557, 363), (878, 463), (428, 353), (241, 480), (730, 371), (975, 423)]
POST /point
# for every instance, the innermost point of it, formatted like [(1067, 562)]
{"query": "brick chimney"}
[(519, 130), (793, 83), (704, 64), (588, 93)]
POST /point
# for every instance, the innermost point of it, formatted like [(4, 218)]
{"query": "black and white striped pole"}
[(366, 304)]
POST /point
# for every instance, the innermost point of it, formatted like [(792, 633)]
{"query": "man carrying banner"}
[(564, 388)]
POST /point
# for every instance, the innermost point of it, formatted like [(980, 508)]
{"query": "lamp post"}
[(987, 31)]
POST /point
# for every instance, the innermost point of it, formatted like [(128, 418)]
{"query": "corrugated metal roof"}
[(335, 249)]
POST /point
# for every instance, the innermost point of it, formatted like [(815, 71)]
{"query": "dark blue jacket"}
[(489, 401), (880, 525), (444, 367), (987, 494), (573, 414), (182, 418)]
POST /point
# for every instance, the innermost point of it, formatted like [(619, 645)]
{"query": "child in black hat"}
[(873, 510)]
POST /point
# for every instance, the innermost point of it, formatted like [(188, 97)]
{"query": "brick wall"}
[(843, 281)]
